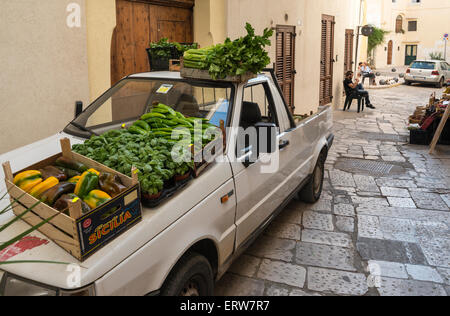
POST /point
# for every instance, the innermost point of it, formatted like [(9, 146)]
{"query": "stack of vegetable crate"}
[(79, 231)]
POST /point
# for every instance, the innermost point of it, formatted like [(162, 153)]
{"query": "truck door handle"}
[(284, 144)]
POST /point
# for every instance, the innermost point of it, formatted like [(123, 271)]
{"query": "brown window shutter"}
[(326, 62), (285, 62)]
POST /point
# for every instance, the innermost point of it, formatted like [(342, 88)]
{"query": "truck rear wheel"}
[(313, 189), (192, 276)]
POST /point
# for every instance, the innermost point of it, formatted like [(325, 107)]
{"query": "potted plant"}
[(161, 52)]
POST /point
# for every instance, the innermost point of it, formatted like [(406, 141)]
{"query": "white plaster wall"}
[(43, 69)]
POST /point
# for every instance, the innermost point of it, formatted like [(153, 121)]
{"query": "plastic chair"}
[(349, 100)]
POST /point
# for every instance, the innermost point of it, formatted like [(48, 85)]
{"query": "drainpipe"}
[(358, 33)]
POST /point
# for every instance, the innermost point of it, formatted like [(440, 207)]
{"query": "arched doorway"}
[(390, 51)]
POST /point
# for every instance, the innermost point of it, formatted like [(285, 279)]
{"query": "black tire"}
[(440, 84), (408, 83), (192, 276), (312, 191)]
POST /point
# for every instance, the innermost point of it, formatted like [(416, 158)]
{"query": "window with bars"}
[(412, 26)]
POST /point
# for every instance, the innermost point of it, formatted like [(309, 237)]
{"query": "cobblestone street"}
[(382, 226)]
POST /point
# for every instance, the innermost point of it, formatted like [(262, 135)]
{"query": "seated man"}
[(367, 72), (355, 89)]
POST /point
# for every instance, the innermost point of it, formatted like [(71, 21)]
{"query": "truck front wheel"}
[(313, 189), (192, 276)]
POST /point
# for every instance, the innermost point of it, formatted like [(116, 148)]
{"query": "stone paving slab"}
[(345, 224), (446, 199), (273, 248), (387, 269), (276, 290), (315, 220), (391, 251), (369, 227), (344, 210), (327, 238), (233, 285), (401, 202), (430, 201), (437, 251), (337, 282), (297, 292), (281, 272), (283, 230), (398, 212), (366, 183), (325, 256), (397, 287), (398, 229), (395, 192), (424, 273), (246, 266), (341, 178), (445, 274)]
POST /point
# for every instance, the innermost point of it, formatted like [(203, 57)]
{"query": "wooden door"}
[(411, 54), (285, 62), (326, 60), (390, 52), (348, 56), (139, 24), (176, 24)]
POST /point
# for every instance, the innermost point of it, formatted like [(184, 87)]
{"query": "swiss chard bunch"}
[(234, 58), (246, 54)]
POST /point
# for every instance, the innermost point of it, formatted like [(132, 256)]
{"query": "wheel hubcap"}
[(190, 289)]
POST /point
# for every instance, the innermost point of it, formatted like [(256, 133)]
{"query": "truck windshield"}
[(128, 100)]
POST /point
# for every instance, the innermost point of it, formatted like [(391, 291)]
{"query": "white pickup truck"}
[(183, 246)]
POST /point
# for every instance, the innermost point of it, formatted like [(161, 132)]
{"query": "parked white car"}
[(184, 245), (435, 72)]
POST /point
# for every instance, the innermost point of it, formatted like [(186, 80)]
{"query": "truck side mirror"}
[(267, 138), (78, 108)]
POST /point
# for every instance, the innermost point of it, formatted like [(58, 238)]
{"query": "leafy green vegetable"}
[(166, 50), (233, 58), (157, 156)]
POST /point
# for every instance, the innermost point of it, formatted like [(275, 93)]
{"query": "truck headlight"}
[(15, 286), (87, 291), (11, 285)]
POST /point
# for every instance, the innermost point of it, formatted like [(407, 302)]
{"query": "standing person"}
[(354, 88)]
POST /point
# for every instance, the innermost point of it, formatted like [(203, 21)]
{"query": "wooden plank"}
[(64, 241), (7, 171), (66, 148), (438, 133), (75, 209), (204, 75)]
